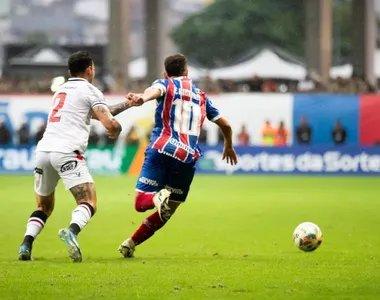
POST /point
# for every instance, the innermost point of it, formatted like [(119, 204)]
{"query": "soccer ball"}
[(307, 236)]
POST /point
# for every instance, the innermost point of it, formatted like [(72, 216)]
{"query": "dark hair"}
[(175, 65), (79, 62)]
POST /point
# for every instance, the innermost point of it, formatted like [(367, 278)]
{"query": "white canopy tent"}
[(345, 71), (266, 64), (138, 69)]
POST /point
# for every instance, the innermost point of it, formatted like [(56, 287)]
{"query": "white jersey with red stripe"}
[(180, 114), (68, 126)]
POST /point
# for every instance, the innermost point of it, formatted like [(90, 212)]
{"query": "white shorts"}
[(52, 166)]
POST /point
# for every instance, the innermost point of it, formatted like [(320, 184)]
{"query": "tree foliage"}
[(229, 28)]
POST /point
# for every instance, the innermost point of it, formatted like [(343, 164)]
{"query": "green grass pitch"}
[(231, 240)]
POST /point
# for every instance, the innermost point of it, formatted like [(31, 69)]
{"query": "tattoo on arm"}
[(104, 115), (101, 109), (83, 191), (113, 109), (118, 108)]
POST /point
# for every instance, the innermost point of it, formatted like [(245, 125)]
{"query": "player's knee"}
[(139, 199), (138, 207), (85, 192)]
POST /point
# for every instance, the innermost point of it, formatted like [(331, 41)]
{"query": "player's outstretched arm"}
[(228, 152), (104, 115), (115, 109), (150, 93), (119, 107)]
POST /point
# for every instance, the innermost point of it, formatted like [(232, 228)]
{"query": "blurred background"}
[(290, 75)]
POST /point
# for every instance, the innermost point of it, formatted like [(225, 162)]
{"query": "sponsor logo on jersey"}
[(177, 143), (69, 166), (148, 181), (173, 190)]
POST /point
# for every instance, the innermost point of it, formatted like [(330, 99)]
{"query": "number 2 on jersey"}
[(58, 103), (187, 117)]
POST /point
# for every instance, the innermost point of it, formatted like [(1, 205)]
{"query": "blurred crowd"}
[(279, 136), (338, 85), (25, 137), (20, 85), (270, 135)]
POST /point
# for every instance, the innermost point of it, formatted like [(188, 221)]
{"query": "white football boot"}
[(127, 248), (161, 202), (71, 243)]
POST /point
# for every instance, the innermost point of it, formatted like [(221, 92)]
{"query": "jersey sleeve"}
[(160, 84), (212, 112), (95, 97)]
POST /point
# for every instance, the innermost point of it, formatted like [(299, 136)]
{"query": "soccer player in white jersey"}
[(59, 155)]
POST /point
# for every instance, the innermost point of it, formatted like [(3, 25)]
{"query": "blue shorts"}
[(162, 171)]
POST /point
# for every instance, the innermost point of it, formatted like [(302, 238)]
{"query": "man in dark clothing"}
[(40, 132), (94, 138), (303, 132), (339, 134), (255, 84), (203, 137), (5, 134), (23, 135)]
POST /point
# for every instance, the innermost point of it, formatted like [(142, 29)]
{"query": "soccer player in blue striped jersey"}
[(171, 156)]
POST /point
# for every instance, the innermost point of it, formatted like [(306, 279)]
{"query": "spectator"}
[(94, 137), (132, 137), (269, 86), (339, 134), (207, 84), (23, 135), (268, 134), (203, 136), (282, 135), (227, 86), (304, 132), (40, 132), (220, 137), (5, 134), (243, 137), (255, 84), (370, 88), (306, 85)]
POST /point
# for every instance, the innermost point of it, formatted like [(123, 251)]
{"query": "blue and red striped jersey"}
[(179, 117)]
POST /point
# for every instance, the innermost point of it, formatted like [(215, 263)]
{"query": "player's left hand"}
[(113, 134), (229, 155), (136, 99)]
